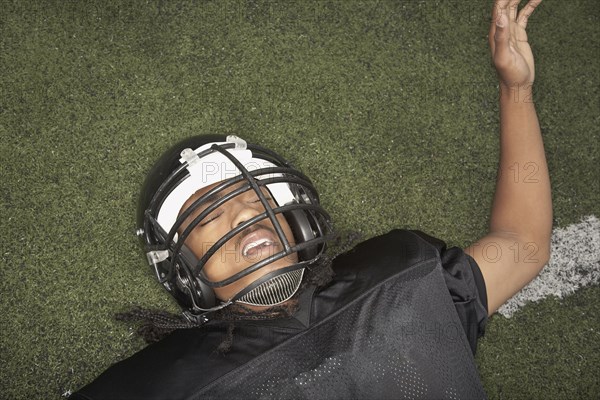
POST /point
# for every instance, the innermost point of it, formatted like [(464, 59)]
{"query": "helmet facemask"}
[(252, 170)]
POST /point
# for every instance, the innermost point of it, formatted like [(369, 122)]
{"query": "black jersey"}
[(400, 320)]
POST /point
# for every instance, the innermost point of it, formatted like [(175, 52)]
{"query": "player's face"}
[(251, 245)]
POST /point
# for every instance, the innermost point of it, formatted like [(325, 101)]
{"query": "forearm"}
[(522, 203)]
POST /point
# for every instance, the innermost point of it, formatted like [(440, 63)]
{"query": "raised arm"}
[(518, 243)]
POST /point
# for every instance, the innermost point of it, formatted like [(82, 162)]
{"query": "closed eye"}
[(257, 200), (214, 217), (211, 218)]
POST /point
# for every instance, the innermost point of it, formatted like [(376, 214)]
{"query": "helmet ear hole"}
[(302, 230), (201, 291)]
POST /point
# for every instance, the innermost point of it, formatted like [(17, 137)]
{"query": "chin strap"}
[(272, 289), (275, 290), (268, 284)]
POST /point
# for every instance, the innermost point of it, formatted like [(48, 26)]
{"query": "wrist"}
[(517, 93)]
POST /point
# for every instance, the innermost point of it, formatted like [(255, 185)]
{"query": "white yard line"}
[(574, 263)]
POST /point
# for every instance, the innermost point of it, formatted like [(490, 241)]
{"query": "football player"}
[(237, 236)]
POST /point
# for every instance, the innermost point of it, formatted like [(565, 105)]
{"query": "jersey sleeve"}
[(466, 286)]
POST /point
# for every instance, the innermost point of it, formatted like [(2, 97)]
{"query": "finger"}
[(502, 41), (513, 7), (500, 7), (526, 12)]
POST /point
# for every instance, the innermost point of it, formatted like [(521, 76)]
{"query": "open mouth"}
[(256, 247), (254, 243)]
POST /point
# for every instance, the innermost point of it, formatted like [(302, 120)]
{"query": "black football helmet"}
[(235, 167)]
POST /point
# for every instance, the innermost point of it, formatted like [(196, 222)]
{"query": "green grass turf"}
[(390, 106)]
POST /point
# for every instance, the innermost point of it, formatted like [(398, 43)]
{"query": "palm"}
[(511, 52), (516, 67)]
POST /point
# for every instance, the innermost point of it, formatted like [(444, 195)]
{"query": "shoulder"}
[(404, 252), (398, 248), (378, 258)]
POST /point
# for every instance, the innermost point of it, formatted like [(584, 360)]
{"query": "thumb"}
[(501, 23), (501, 37)]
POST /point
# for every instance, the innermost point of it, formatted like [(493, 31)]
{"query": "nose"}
[(243, 211)]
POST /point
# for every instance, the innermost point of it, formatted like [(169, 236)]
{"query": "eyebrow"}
[(218, 195), (214, 197)]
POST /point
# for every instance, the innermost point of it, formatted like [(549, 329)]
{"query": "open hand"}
[(508, 41)]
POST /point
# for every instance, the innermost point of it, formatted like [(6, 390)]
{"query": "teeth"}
[(252, 245)]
